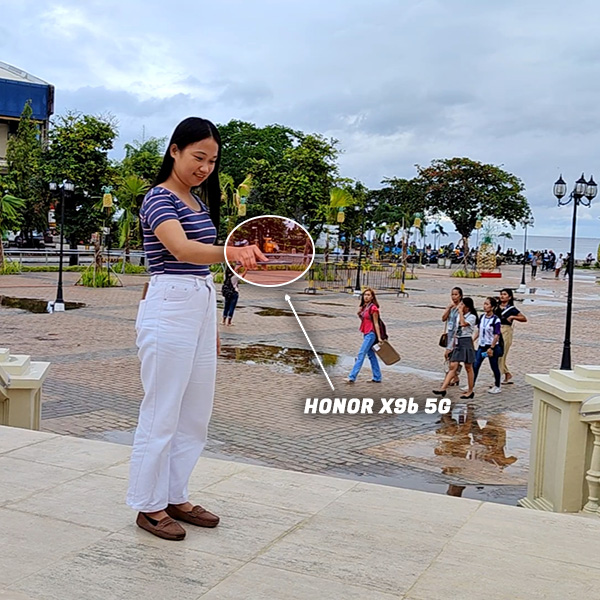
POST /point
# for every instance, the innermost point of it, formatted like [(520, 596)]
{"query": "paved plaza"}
[(67, 535), (265, 376)]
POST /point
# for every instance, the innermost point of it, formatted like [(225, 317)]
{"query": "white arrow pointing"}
[(289, 300)]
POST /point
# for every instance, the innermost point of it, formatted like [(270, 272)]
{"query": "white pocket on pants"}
[(178, 291), (140, 314)]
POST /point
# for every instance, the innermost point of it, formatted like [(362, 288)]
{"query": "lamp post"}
[(523, 287), (581, 190), (64, 187), (357, 287)]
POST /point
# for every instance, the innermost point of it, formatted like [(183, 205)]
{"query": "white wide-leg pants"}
[(176, 340)]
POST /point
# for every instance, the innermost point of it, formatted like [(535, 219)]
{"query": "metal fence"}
[(342, 276)]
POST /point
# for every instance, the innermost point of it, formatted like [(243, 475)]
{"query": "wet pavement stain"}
[(281, 312), (296, 360), (34, 305), (467, 448)]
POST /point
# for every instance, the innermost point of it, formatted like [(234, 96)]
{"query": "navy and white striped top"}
[(159, 206)]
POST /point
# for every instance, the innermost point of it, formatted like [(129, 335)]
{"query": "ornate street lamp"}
[(583, 193), (65, 187)]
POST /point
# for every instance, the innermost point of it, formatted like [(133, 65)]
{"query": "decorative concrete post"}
[(21, 390), (590, 413), (560, 441)]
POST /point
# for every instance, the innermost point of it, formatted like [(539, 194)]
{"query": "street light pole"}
[(65, 186), (357, 287), (582, 190), (523, 286)]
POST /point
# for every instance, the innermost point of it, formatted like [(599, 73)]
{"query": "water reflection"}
[(462, 435)]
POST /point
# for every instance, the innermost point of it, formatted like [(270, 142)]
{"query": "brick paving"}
[(94, 390)]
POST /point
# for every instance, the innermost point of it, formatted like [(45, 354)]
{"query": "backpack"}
[(227, 288), (382, 327)]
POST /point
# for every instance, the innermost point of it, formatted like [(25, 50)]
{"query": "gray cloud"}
[(398, 83)]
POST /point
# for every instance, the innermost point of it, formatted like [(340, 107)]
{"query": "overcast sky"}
[(513, 82)]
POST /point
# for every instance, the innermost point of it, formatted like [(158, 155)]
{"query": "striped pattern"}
[(159, 206)]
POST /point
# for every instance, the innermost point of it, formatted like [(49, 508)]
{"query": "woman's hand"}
[(490, 352), (218, 344), (246, 255)]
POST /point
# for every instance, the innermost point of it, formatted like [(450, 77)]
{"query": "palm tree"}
[(10, 218), (339, 199), (439, 231), (129, 193), (232, 197), (507, 236)]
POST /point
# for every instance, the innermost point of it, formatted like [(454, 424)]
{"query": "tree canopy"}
[(467, 191)]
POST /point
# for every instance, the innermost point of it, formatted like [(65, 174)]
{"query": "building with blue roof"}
[(16, 87)]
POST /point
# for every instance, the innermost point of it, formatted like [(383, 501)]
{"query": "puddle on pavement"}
[(34, 305), (281, 312), (295, 360), (467, 448), (413, 480)]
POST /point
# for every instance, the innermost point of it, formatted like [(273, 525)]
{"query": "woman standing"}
[(368, 312), (450, 317), (231, 294), (508, 313), (176, 330), (534, 265), (489, 342), (463, 348)]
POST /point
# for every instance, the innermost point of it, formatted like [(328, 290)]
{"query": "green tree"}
[(400, 202), (400, 199), (466, 191), (11, 215), (78, 151), (24, 180), (129, 195), (244, 143), (298, 188), (144, 158)]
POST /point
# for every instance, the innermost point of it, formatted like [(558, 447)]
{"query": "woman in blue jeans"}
[(489, 342), (368, 312), (231, 294)]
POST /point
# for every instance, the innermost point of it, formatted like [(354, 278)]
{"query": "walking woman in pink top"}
[(368, 313)]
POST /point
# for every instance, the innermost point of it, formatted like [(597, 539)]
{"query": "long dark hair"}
[(189, 131), (468, 302), (493, 303), (373, 296)]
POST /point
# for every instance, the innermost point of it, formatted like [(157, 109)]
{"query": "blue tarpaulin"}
[(14, 95)]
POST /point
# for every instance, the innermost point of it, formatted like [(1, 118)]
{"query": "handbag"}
[(444, 337), (386, 352)]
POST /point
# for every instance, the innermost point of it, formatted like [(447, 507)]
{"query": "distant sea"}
[(583, 246)]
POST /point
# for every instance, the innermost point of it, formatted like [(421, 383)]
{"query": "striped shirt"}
[(161, 205)]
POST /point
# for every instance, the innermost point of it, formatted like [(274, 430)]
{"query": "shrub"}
[(93, 278), (469, 275), (52, 269), (10, 268), (130, 269)]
